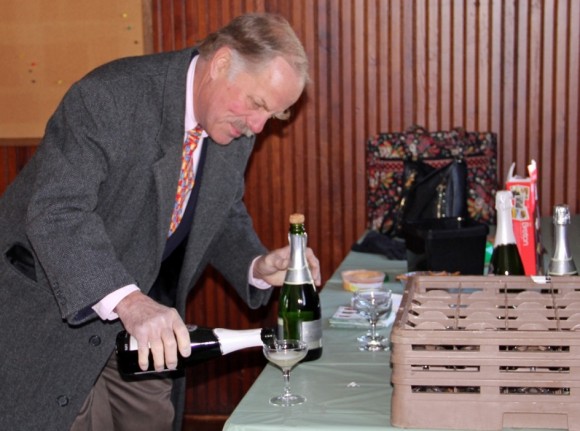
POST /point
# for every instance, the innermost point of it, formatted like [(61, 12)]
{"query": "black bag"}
[(386, 156), (431, 192)]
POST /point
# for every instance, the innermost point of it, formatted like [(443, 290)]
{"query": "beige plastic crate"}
[(486, 353)]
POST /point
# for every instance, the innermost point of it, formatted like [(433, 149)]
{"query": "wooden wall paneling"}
[(496, 66), (507, 66), (559, 100), (472, 73), (506, 133), (547, 87), (367, 40), (444, 65), (12, 160), (521, 90), (408, 57), (332, 177), (533, 107), (331, 206), (393, 72), (355, 118), (458, 48), (381, 63), (307, 126), (321, 119), (483, 65), (433, 67), (421, 46), (563, 92), (573, 98)]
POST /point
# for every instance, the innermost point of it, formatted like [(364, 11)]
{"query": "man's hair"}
[(258, 38)]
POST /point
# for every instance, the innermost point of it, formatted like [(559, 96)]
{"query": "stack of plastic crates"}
[(484, 353)]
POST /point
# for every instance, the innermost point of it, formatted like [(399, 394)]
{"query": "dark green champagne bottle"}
[(206, 344), (299, 315), (505, 259)]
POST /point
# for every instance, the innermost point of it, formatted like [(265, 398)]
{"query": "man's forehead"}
[(277, 86)]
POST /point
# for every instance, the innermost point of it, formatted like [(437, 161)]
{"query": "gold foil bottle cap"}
[(296, 218)]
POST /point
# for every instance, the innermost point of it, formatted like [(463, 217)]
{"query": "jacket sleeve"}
[(63, 224), (233, 252)]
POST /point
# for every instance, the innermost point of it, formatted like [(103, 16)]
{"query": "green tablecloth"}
[(346, 389)]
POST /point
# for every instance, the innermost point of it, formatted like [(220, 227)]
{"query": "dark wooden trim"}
[(19, 142), (194, 422), (147, 7)]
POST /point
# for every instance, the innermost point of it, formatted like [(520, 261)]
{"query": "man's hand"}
[(272, 267), (154, 326)]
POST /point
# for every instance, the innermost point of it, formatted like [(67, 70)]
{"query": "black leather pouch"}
[(432, 192)]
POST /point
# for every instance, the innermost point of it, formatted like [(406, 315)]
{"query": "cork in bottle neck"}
[(296, 218)]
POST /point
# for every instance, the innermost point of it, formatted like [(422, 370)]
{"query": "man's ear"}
[(221, 62)]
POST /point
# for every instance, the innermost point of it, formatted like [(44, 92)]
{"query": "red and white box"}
[(525, 215)]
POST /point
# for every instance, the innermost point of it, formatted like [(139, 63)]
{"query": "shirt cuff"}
[(104, 308), (257, 282)]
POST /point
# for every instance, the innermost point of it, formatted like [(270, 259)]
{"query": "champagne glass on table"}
[(286, 354), (373, 303)]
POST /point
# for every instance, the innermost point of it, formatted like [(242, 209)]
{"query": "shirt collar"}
[(190, 120)]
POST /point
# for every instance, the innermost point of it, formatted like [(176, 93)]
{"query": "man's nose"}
[(257, 121)]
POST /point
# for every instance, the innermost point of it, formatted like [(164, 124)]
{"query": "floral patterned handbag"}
[(387, 154)]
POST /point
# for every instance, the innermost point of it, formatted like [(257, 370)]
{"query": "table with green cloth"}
[(346, 389)]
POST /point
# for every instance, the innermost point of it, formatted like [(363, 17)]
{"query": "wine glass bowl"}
[(285, 354), (373, 303)]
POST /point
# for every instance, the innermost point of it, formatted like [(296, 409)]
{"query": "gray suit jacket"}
[(89, 214)]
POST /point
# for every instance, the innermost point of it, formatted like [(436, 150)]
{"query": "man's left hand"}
[(272, 267)]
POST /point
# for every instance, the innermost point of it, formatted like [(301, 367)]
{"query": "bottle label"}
[(310, 332)]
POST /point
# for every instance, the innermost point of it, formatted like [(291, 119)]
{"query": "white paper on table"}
[(347, 317)]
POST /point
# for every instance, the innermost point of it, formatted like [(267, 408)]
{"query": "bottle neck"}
[(505, 228), (298, 271), (561, 247), (562, 262), (231, 340)]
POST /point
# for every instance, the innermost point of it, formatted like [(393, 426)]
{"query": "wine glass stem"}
[(286, 374), (373, 328)]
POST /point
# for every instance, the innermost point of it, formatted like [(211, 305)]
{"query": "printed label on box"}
[(524, 215)]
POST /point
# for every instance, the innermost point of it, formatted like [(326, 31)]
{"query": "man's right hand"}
[(155, 327)]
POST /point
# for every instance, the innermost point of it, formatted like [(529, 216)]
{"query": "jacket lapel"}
[(221, 184), (170, 141)]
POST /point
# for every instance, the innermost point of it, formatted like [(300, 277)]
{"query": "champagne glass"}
[(285, 354), (373, 303)]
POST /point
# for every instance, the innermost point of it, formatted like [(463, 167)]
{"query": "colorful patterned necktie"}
[(186, 177)]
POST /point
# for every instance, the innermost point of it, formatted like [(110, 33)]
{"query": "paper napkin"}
[(347, 317)]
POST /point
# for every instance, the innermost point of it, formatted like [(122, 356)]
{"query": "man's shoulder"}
[(236, 152), (142, 65)]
